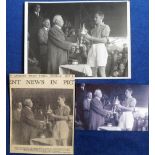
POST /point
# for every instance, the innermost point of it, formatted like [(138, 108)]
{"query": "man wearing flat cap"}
[(57, 46), (29, 125)]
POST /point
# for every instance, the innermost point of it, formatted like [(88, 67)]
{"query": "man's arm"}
[(41, 38), (65, 116), (99, 110), (29, 119), (85, 105), (131, 108), (104, 36), (57, 117), (126, 108), (98, 40), (55, 38)]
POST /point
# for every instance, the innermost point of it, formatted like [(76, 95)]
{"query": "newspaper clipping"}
[(41, 114)]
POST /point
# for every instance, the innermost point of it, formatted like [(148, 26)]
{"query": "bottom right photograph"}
[(112, 107)]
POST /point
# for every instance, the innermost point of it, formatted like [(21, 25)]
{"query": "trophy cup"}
[(116, 102), (115, 110), (83, 32), (49, 111)]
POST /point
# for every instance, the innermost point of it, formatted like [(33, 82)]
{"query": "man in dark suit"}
[(86, 109), (80, 96), (16, 123), (34, 24), (29, 125), (97, 112), (57, 46), (43, 39)]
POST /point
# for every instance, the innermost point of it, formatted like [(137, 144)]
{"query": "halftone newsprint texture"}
[(41, 114)]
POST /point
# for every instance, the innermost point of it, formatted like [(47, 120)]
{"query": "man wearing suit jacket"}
[(86, 110), (34, 24), (29, 125), (43, 39), (57, 46), (97, 112)]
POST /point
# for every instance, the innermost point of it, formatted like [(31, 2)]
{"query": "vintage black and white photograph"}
[(87, 39), (42, 119), (112, 107)]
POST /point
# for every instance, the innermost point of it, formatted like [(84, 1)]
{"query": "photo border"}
[(61, 2)]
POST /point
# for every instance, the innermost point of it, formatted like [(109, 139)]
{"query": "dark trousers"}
[(43, 63)]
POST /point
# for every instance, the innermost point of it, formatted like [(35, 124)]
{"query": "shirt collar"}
[(19, 109), (28, 107), (89, 99), (36, 13), (46, 28), (98, 98), (58, 27), (102, 24)]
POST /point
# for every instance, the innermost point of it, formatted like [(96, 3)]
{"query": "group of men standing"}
[(89, 109), (91, 112), (51, 48), (48, 44), (26, 126)]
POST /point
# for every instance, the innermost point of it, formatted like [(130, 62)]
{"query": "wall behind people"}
[(140, 92), (43, 97), (115, 14)]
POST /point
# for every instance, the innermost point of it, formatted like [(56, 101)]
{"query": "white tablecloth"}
[(43, 141), (81, 68), (109, 128)]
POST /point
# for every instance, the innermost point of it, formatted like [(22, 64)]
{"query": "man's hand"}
[(119, 106), (83, 47), (74, 45), (88, 37), (49, 111), (109, 114), (42, 125)]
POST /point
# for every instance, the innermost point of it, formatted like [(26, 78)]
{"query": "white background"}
[(3, 78)]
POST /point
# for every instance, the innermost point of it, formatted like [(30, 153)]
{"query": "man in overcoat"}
[(58, 47), (97, 112), (29, 124)]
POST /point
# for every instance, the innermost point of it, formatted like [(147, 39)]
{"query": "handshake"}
[(87, 37), (74, 45), (42, 125), (53, 116), (109, 114)]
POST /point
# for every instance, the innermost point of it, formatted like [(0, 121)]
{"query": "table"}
[(109, 128), (81, 68), (43, 141)]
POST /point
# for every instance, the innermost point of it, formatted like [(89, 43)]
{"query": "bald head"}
[(58, 20), (28, 102), (98, 93)]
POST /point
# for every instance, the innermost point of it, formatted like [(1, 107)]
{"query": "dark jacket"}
[(16, 126), (28, 126), (57, 49), (43, 39), (97, 114), (34, 24)]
